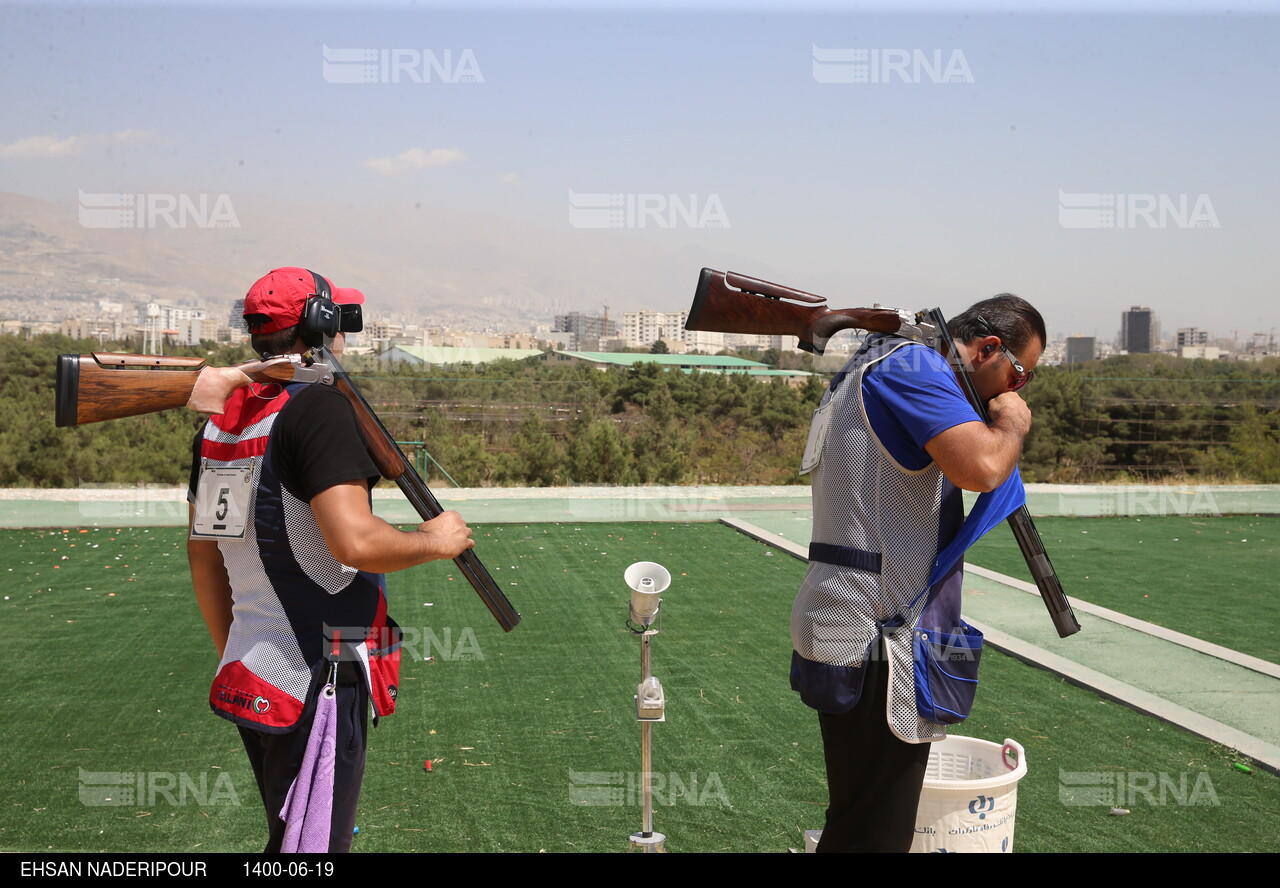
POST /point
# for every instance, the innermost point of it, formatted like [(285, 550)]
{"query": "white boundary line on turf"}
[(1208, 648), (1266, 754), (1262, 752), (1217, 651)]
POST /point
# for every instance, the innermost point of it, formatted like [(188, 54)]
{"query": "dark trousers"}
[(873, 778), (276, 759)]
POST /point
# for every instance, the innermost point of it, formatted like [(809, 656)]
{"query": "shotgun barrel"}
[(727, 302), (97, 387)]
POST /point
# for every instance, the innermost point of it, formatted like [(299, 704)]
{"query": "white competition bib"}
[(817, 437), (224, 496)]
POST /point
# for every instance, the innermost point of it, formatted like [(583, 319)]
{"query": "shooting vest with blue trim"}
[(876, 534), (288, 591)]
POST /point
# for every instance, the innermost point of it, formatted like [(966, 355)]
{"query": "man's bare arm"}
[(358, 538), (213, 589), (979, 457)]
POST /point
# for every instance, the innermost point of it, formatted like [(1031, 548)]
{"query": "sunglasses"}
[(1024, 375)]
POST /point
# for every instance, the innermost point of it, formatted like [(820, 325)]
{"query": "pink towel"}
[(308, 808)]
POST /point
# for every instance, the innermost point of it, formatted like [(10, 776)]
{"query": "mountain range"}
[(463, 271)]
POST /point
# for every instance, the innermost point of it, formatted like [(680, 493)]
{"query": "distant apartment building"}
[(384, 331), (1262, 345), (93, 328), (515, 340), (169, 314), (641, 329), (556, 338), (189, 331), (228, 334), (1081, 349), (1192, 336), (452, 356), (164, 321), (1138, 331), (763, 341), (462, 339), (585, 329), (1194, 343)]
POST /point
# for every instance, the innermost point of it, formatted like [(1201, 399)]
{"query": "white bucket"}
[(970, 796)]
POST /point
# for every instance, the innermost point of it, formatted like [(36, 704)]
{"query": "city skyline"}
[(559, 159), (183, 324)]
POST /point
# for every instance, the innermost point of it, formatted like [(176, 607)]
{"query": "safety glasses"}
[(1023, 374)]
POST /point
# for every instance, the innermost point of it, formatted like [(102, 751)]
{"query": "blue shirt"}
[(911, 397)]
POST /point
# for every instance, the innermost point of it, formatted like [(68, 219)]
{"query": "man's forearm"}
[(980, 457), (1003, 454), (1010, 424), (358, 538), (381, 548), (212, 588)]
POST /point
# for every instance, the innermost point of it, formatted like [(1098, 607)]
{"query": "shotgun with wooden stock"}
[(98, 387), (727, 302)]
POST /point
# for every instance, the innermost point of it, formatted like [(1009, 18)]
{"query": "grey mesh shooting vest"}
[(288, 590), (876, 528)]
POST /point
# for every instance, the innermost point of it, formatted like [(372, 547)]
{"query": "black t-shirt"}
[(315, 444)]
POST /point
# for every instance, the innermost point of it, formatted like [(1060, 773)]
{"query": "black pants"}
[(873, 778), (276, 759)]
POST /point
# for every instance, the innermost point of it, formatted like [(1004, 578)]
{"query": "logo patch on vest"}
[(243, 699)]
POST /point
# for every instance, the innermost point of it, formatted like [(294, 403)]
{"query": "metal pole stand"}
[(654, 843), (647, 580)]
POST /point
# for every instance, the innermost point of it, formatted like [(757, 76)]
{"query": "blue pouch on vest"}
[(946, 672), (830, 689)]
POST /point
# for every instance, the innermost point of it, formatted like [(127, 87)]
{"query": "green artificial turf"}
[(1209, 577), (532, 735)]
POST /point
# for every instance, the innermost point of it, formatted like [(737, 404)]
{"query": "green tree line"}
[(511, 423), (1154, 417)]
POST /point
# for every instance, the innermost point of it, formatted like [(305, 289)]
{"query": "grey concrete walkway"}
[(781, 510), (1213, 692)]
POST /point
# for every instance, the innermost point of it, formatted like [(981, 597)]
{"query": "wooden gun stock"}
[(727, 302), (98, 387)]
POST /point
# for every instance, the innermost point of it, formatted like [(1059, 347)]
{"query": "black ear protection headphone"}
[(323, 319)]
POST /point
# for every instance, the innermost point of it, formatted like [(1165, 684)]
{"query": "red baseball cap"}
[(281, 294)]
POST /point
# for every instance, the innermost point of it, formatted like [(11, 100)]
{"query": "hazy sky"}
[(1086, 159)]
